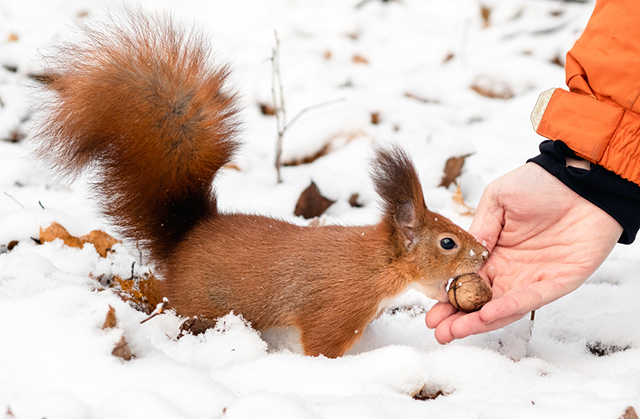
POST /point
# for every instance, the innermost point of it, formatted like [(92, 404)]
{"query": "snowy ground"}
[(55, 359)]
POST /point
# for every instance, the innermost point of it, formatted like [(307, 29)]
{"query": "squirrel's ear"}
[(406, 220)]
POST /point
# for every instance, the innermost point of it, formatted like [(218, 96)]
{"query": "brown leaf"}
[(101, 241), (427, 393), (630, 413), (452, 169), (15, 136), (142, 291), (333, 143), (12, 244), (110, 320), (12, 37), (458, 199), (485, 14), (196, 326), (375, 118), (324, 150), (359, 59), (311, 203), (557, 60), (267, 109), (354, 201), (56, 231), (599, 348), (493, 90), (327, 55), (122, 350)]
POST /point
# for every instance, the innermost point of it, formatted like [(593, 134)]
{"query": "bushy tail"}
[(138, 100)]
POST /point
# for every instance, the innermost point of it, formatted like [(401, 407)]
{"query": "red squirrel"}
[(141, 104)]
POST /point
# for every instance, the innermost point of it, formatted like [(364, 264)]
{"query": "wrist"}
[(580, 164), (616, 196)]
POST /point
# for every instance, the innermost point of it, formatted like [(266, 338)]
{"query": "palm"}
[(545, 241)]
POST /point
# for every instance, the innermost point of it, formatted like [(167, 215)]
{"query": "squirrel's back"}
[(139, 98)]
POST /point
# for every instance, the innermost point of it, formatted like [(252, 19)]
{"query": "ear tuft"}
[(396, 181)]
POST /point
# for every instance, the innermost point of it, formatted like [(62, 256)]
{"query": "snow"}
[(55, 358)]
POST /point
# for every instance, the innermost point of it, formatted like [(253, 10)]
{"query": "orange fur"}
[(140, 101)]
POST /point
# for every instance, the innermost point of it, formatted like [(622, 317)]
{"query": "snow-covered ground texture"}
[(427, 69)]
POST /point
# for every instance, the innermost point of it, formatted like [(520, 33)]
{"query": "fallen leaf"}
[(12, 244), (492, 89), (101, 241), (333, 143), (110, 320), (195, 326), (122, 350), (141, 291), (267, 109), (375, 118), (485, 14), (466, 210), (311, 203), (598, 348), (557, 60), (354, 201), (56, 231), (323, 151), (359, 59), (452, 170), (429, 393)]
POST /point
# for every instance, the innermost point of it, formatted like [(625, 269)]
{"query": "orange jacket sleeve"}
[(599, 117)]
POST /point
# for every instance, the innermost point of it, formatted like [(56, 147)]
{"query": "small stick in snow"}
[(15, 200), (159, 310), (277, 93)]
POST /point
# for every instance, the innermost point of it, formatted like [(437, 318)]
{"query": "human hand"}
[(545, 241)]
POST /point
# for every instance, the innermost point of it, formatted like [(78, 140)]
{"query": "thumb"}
[(488, 221)]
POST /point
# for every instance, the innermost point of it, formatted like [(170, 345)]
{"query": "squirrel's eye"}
[(447, 243)]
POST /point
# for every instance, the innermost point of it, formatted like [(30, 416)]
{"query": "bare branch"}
[(277, 94), (312, 107)]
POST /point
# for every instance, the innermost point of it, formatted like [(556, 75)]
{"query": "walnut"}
[(469, 292)]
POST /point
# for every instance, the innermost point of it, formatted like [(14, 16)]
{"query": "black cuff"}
[(618, 197)]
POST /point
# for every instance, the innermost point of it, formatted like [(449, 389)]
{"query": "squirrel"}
[(141, 104)]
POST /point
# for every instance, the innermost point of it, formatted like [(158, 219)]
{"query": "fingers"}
[(444, 332), (450, 325), (461, 325), (472, 324), (438, 313), (488, 220), (524, 300)]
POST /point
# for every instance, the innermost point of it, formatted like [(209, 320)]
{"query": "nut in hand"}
[(469, 292)]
